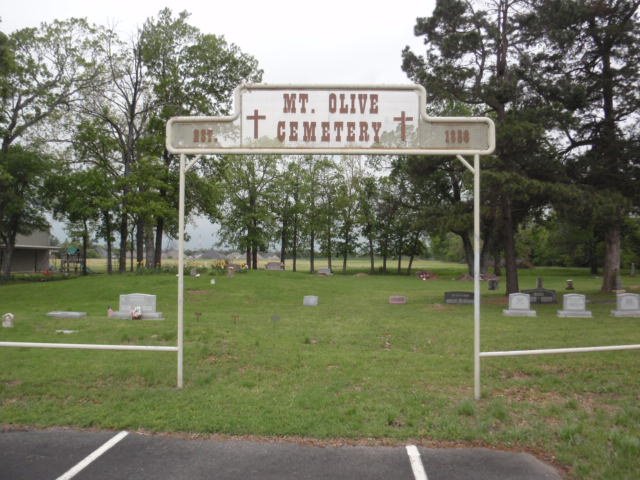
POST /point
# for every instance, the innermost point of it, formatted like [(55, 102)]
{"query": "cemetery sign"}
[(310, 119)]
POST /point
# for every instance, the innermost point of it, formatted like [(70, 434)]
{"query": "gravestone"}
[(627, 305), (539, 283), (66, 314), (458, 298), (542, 295), (310, 301), (618, 286), (519, 306), (397, 299), (142, 302), (274, 266), (324, 271), (574, 305), (493, 283), (7, 320), (570, 285), (632, 272)]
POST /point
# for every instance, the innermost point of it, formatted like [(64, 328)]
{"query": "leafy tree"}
[(351, 170), (246, 219), (77, 197), (368, 200), (23, 201), (44, 71), (471, 58), (586, 60), (191, 73)]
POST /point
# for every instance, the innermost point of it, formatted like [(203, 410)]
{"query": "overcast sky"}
[(294, 41)]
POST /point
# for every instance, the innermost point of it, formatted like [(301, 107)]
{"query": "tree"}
[(191, 73), (348, 207), (587, 61), (78, 197), (246, 219), (368, 199), (471, 58), (23, 200), (45, 70)]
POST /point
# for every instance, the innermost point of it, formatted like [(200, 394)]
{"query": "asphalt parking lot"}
[(64, 454)]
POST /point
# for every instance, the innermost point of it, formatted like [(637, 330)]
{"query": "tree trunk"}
[(329, 252), (149, 245), (107, 229), (371, 255), (131, 249), (283, 242), (312, 250), (294, 246), (7, 258), (254, 257), (611, 267), (122, 257), (157, 251), (85, 245), (468, 250), (511, 267), (140, 243)]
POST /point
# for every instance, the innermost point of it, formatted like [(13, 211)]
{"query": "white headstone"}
[(519, 306), (574, 305), (627, 305), (7, 320), (143, 302)]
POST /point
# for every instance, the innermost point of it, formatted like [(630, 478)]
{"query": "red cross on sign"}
[(403, 125), (256, 118)]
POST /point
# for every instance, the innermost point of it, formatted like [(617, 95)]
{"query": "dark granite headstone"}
[(542, 295), (458, 298)]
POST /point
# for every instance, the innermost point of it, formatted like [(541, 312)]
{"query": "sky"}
[(294, 41)]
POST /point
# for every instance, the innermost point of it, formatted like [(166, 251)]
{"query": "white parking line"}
[(416, 463), (84, 463)]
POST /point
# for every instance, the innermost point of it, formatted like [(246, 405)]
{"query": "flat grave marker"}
[(310, 301), (458, 298), (66, 314), (397, 300)]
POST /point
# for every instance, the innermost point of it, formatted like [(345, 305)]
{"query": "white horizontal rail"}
[(89, 346), (515, 353)]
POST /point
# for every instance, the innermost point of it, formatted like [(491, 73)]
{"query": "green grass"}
[(257, 362)]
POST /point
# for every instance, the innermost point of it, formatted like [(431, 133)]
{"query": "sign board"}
[(360, 119)]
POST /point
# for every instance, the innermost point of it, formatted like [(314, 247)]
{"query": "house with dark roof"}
[(31, 253)]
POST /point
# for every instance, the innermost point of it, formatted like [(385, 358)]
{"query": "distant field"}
[(257, 362), (302, 264)]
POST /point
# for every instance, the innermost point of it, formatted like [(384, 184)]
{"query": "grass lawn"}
[(258, 362)]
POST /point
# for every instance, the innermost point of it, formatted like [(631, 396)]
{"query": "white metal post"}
[(181, 270), (476, 275)]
